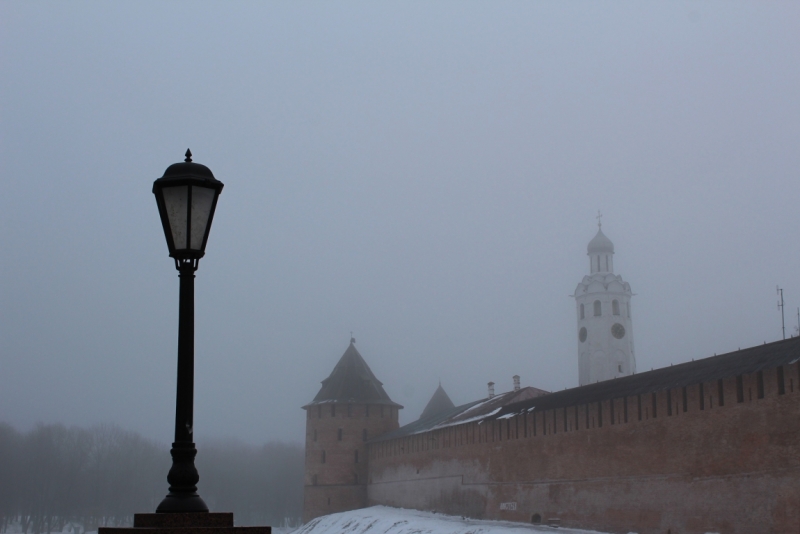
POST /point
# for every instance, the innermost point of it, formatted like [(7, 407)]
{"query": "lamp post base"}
[(182, 478), (181, 504)]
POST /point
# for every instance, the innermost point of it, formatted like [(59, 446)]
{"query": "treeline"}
[(55, 477)]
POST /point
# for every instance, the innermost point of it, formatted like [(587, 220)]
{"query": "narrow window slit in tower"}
[(702, 398), (625, 409), (323, 457), (739, 388), (655, 414), (781, 386), (639, 404), (600, 414), (611, 405), (669, 403), (760, 384), (721, 388), (339, 434), (685, 399)]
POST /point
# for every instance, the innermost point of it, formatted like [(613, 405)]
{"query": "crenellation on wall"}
[(666, 404), (553, 474)]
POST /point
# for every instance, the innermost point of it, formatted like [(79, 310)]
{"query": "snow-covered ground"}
[(385, 520)]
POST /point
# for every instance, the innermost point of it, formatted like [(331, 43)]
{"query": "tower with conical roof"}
[(350, 408), (605, 328), (440, 402)]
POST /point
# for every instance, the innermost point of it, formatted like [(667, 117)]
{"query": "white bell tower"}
[(605, 330)]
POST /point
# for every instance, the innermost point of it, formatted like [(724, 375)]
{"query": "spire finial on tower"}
[(599, 219), (188, 156)]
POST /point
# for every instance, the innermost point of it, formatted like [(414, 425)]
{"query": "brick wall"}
[(336, 454), (678, 464)]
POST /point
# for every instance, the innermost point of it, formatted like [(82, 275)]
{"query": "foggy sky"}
[(424, 174)]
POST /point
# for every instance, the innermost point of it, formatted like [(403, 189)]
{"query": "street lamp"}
[(187, 197)]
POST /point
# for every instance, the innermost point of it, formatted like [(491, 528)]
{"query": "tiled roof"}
[(352, 381), (740, 362), (439, 403), (472, 411)]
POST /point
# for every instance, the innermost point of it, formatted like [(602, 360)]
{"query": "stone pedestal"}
[(202, 523)]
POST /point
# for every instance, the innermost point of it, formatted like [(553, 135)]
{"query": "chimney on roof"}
[(516, 382), (491, 389)]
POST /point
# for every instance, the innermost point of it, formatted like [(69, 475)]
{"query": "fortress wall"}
[(730, 468)]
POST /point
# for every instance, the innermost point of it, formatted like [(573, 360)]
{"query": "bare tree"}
[(53, 476)]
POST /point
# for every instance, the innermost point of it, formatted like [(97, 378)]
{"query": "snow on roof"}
[(466, 413), (386, 520)]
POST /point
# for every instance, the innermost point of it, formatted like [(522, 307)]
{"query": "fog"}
[(425, 175)]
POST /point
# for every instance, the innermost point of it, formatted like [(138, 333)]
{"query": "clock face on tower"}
[(582, 334), (618, 331)]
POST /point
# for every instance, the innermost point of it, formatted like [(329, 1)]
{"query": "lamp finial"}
[(188, 156)]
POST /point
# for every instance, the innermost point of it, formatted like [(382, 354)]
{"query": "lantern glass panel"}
[(176, 202), (202, 200)]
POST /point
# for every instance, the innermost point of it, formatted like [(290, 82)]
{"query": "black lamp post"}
[(187, 197)]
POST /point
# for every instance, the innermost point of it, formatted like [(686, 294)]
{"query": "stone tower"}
[(350, 408), (605, 330)]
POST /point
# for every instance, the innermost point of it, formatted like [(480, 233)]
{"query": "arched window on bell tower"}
[(597, 308), (615, 307), (583, 310)]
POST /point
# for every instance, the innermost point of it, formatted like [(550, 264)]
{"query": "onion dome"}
[(600, 244)]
